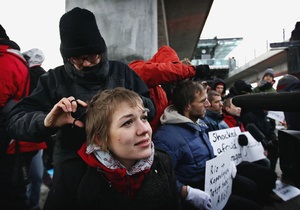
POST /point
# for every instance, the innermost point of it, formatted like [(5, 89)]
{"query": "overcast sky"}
[(34, 24)]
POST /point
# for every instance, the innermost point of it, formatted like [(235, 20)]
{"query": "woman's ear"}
[(98, 140), (102, 143)]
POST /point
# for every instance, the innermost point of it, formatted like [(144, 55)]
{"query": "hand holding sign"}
[(198, 198), (218, 180)]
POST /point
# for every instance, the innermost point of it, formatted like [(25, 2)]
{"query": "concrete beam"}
[(129, 27), (135, 29), (253, 70)]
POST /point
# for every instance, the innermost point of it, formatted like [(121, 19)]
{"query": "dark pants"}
[(263, 177), (13, 185), (237, 203), (244, 195)]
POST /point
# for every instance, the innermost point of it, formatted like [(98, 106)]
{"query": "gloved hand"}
[(202, 71), (198, 198), (265, 86), (233, 169)]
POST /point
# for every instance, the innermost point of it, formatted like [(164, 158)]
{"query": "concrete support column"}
[(129, 27)]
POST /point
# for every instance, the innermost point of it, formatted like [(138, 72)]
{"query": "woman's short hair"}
[(100, 110)]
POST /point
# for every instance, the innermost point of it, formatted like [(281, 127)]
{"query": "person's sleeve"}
[(160, 140), (8, 83), (139, 86), (26, 120), (154, 74)]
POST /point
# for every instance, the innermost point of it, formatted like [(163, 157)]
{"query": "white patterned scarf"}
[(110, 162)]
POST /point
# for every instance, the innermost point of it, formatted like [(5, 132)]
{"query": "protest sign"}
[(225, 140), (276, 115), (285, 191), (218, 180)]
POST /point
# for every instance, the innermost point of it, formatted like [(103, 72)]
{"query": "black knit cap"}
[(79, 34), (3, 33), (286, 80)]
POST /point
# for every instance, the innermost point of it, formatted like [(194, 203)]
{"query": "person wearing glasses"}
[(58, 104)]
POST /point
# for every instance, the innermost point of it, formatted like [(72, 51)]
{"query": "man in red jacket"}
[(163, 68), (14, 85)]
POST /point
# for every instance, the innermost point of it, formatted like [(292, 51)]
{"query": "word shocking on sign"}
[(218, 180)]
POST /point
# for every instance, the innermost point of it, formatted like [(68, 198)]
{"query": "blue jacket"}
[(188, 145)]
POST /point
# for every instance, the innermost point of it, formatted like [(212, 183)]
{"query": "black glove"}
[(266, 86), (201, 71)]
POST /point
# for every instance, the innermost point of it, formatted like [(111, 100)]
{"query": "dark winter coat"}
[(27, 117), (214, 121), (85, 187)]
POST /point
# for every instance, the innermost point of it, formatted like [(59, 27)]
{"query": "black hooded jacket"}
[(216, 82), (26, 120)]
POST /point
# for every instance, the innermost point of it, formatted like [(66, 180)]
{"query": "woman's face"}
[(130, 134)]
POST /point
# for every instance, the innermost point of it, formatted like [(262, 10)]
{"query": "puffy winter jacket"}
[(188, 145), (14, 84)]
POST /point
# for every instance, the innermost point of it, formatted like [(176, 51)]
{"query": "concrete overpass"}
[(137, 28), (253, 70)]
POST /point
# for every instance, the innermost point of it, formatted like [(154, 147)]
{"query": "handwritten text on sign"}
[(226, 140), (218, 181), (254, 150)]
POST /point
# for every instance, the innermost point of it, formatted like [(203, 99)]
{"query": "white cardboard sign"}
[(226, 140), (285, 191), (253, 151), (276, 115), (218, 180)]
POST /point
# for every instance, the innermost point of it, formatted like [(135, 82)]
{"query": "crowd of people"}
[(131, 135)]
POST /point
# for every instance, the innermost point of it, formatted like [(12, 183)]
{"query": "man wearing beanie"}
[(259, 118), (266, 82), (58, 104)]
